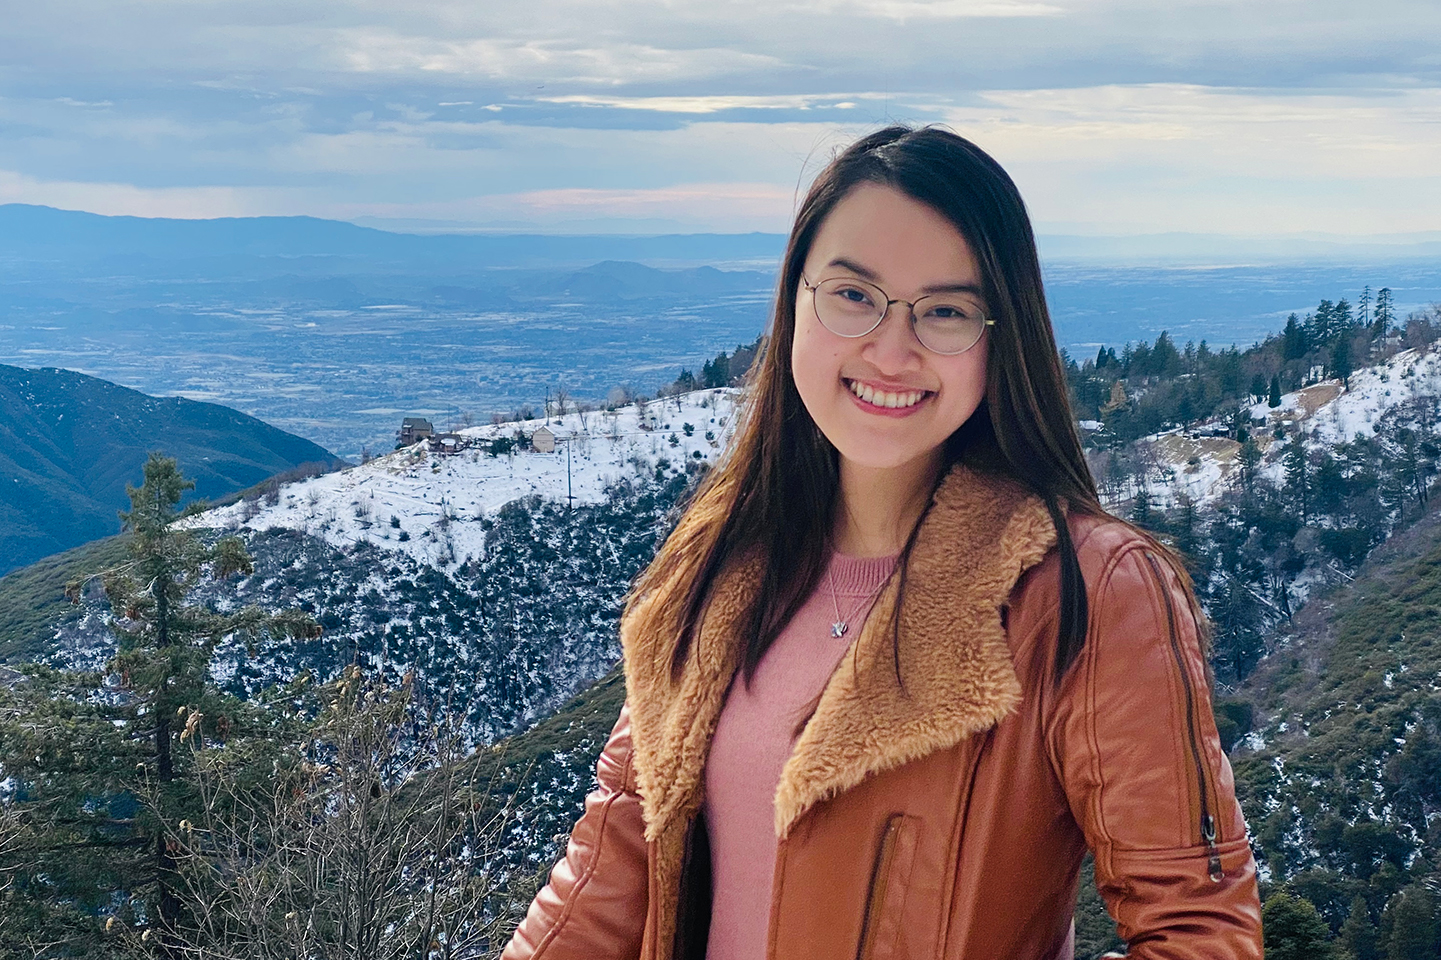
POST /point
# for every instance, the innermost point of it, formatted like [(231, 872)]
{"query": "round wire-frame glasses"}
[(944, 323)]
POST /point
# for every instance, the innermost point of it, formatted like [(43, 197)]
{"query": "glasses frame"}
[(885, 310)]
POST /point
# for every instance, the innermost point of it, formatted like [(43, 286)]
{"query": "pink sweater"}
[(753, 739)]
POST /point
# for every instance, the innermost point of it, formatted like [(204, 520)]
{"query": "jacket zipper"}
[(880, 877), (1208, 822)]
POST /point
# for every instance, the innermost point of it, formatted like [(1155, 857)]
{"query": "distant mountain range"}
[(69, 443), (44, 233)]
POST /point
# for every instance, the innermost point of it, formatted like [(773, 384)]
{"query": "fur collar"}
[(980, 535)]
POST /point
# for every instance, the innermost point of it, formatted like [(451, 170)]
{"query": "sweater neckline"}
[(857, 577)]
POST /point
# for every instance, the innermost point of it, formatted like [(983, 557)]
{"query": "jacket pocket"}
[(886, 898), (1204, 818)]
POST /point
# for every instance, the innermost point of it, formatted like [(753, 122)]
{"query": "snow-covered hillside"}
[(429, 505), (1189, 461)]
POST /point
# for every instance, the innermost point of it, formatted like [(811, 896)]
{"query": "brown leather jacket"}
[(946, 820)]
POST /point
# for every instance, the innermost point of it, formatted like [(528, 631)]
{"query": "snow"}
[(1185, 462), (430, 505)]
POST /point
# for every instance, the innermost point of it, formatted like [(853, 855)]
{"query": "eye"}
[(849, 296), (952, 311), (852, 295)]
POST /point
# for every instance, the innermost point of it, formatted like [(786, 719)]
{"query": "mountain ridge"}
[(69, 444)]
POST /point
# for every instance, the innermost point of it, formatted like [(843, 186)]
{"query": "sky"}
[(1235, 117)]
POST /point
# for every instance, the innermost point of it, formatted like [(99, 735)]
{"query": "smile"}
[(892, 401)]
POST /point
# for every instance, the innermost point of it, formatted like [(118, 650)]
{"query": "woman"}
[(1029, 680)]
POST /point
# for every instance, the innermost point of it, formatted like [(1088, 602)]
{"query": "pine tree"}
[(1274, 400), (1341, 363), (716, 372), (1293, 340), (1385, 316), (94, 758), (1358, 933), (1141, 513), (1415, 928), (1294, 929), (1341, 319), (1299, 476), (1363, 307), (1321, 324), (1249, 458)]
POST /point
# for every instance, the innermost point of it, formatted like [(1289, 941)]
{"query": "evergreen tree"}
[(1321, 325), (1358, 933), (1341, 319), (1248, 458), (1294, 929), (1142, 515), (1259, 387), (1385, 315), (101, 772), (1363, 307), (1293, 340), (1238, 620), (1186, 532), (1341, 363), (1415, 933), (1274, 400), (1299, 476), (1165, 358), (716, 372)]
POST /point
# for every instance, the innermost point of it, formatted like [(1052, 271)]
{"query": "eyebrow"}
[(867, 274)]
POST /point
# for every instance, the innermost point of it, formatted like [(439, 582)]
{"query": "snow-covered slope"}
[(429, 505), (1188, 461)]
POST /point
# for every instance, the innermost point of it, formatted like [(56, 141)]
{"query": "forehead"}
[(901, 240)]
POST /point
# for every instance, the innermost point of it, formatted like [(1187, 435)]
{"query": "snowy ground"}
[(429, 505), (1201, 467)]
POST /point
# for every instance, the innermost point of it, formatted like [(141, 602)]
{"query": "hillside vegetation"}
[(69, 443), (1341, 777)]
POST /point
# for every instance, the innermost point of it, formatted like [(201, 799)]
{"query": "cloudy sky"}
[(1253, 117)]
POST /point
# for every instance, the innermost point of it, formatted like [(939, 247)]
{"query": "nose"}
[(892, 346)]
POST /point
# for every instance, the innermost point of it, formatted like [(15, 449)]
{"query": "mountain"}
[(1338, 749), (492, 570), (69, 443), (34, 233)]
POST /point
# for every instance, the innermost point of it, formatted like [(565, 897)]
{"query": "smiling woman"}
[(896, 669)]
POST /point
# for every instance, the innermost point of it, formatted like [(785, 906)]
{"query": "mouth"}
[(898, 400)]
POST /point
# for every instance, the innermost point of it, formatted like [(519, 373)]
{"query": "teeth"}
[(882, 399)]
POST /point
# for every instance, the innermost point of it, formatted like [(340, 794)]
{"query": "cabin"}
[(543, 440), (448, 443), (415, 429)]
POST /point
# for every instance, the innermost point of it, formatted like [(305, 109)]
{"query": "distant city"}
[(335, 332)]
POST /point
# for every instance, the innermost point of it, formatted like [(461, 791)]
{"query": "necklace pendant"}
[(838, 629)]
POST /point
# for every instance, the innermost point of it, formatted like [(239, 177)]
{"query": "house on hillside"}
[(448, 443), (543, 440), (415, 429)]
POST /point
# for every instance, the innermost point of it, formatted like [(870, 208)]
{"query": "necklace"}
[(842, 624)]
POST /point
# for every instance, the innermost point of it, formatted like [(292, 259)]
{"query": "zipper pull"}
[(1213, 862)]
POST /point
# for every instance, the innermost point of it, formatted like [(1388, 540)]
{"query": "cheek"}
[(813, 359)]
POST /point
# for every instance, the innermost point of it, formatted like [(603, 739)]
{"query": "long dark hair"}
[(775, 490)]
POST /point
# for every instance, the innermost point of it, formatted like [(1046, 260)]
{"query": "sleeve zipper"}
[(1208, 822)]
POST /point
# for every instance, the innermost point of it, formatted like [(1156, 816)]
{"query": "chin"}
[(875, 457)]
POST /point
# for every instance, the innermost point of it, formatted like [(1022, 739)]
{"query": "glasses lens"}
[(848, 308), (949, 324)]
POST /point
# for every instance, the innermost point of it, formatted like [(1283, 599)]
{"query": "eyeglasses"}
[(945, 323)]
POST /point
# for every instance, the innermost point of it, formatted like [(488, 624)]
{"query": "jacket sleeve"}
[(1135, 745), (594, 906)]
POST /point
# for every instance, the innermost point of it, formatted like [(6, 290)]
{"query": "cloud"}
[(128, 200), (1113, 114)]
